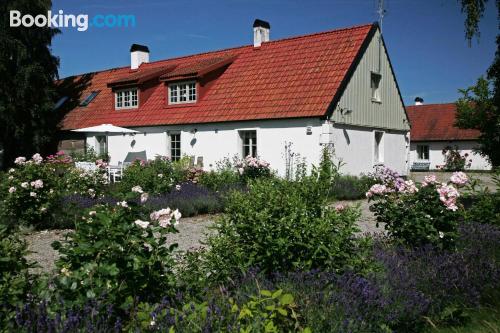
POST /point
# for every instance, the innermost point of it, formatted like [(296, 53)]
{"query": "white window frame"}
[(171, 148), (378, 150), (178, 86), (253, 145), (375, 91), (418, 153), (98, 145), (129, 92)]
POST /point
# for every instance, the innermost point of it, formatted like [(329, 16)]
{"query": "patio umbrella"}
[(105, 128)]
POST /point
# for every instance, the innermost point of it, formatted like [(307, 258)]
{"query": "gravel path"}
[(192, 231)]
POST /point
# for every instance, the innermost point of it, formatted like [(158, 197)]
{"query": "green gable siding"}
[(390, 113)]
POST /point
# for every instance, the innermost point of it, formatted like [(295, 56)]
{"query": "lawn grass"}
[(484, 320)]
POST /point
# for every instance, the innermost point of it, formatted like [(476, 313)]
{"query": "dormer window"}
[(126, 99), (182, 92)]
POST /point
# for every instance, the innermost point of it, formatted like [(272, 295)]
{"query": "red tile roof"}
[(435, 122), (288, 78)]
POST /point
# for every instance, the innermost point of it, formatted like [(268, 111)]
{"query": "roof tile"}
[(288, 78)]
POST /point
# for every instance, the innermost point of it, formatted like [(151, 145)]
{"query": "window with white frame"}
[(423, 152), (102, 145), (126, 99), (182, 92), (249, 143), (378, 152), (375, 79), (175, 146)]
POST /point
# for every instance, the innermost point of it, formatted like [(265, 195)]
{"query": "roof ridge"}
[(443, 103), (231, 48)]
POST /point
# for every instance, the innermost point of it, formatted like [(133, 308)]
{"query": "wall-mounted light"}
[(345, 111), (309, 130)]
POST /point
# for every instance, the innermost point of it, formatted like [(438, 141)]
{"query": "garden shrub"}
[(85, 182), (484, 209), (346, 187), (31, 192), (280, 226), (253, 168), (89, 155), (419, 215), (454, 161), (14, 274), (156, 176), (230, 174), (485, 206), (115, 251), (224, 175)]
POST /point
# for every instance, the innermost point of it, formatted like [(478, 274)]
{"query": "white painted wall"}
[(436, 156), (355, 147), (215, 141)]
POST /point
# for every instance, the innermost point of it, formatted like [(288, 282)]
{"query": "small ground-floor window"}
[(175, 146), (378, 153), (249, 143), (423, 152), (102, 145)]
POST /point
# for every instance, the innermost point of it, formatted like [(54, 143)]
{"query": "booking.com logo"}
[(61, 20)]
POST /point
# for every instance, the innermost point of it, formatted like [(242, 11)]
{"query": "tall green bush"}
[(280, 225)]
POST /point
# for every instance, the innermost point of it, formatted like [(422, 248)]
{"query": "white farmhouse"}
[(433, 129), (334, 88)]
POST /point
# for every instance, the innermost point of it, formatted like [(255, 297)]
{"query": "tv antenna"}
[(381, 13)]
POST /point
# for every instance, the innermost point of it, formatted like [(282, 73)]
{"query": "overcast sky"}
[(425, 38)]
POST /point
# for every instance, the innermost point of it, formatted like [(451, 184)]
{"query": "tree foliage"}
[(479, 107), (477, 110), (28, 72)]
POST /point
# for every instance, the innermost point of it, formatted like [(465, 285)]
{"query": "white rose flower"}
[(33, 194), (177, 216), (142, 224), (122, 203), (137, 189), (25, 185), (37, 158), (441, 234), (144, 197), (12, 189), (20, 160)]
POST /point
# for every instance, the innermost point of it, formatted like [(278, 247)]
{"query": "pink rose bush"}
[(33, 190), (417, 214), (27, 194), (252, 167)]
